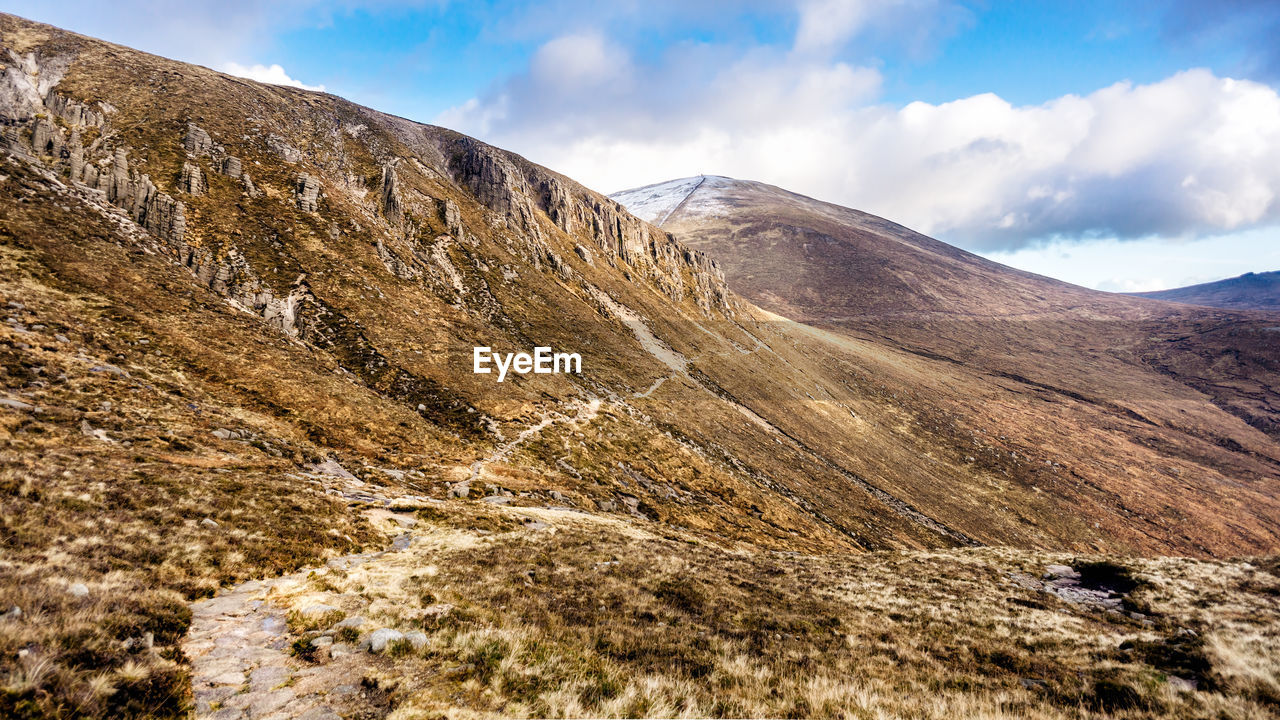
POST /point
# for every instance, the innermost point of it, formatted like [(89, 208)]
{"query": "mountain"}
[(248, 466), (839, 268), (1251, 291)]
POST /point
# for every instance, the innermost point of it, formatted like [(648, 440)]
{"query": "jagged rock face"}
[(392, 207), (508, 191), (307, 192)]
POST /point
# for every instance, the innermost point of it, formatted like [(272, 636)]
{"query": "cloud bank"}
[(1193, 154)]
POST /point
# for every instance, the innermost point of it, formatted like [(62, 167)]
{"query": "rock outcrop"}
[(392, 205), (192, 181), (306, 190), (197, 142), (231, 167), (520, 193)]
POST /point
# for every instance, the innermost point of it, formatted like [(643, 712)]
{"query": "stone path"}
[(241, 662)]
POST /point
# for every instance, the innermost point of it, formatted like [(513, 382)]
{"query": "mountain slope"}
[(239, 338), (1251, 291), (1060, 362)]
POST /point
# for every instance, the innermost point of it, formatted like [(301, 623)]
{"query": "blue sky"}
[(1117, 145)]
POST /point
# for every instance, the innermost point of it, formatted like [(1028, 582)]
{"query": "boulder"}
[(78, 590), (379, 639)]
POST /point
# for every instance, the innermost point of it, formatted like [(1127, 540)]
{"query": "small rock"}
[(223, 433), (353, 621), (606, 505), (15, 404), (460, 490), (268, 677), (417, 639), (78, 590), (332, 468), (15, 613), (61, 338), (1182, 684), (269, 702), (209, 523), (405, 521), (497, 500), (337, 650), (557, 495), (323, 641), (1061, 571), (381, 638)]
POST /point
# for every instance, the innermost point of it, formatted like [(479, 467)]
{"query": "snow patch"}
[(656, 203)]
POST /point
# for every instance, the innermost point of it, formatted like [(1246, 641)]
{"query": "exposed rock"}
[(209, 523), (281, 147), (460, 490), (392, 206), (249, 188), (451, 218), (192, 181), (160, 214), (74, 113), (417, 639), (307, 192), (331, 468), (231, 166), (354, 621), (584, 253), (323, 641), (78, 590), (15, 404), (1061, 571), (196, 142), (381, 638)]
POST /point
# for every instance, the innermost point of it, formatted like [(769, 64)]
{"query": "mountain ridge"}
[(1250, 291)]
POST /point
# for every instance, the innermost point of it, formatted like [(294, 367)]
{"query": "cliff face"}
[(48, 128)]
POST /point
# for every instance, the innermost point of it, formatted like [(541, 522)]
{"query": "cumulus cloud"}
[(273, 74), (1190, 155)]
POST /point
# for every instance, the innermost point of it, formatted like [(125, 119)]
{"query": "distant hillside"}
[(1251, 291)]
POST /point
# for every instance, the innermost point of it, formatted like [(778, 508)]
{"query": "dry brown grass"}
[(600, 618)]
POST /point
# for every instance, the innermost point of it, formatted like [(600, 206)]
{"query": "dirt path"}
[(585, 413)]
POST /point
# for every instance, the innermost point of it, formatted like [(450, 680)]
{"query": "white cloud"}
[(1191, 155), (273, 74)]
